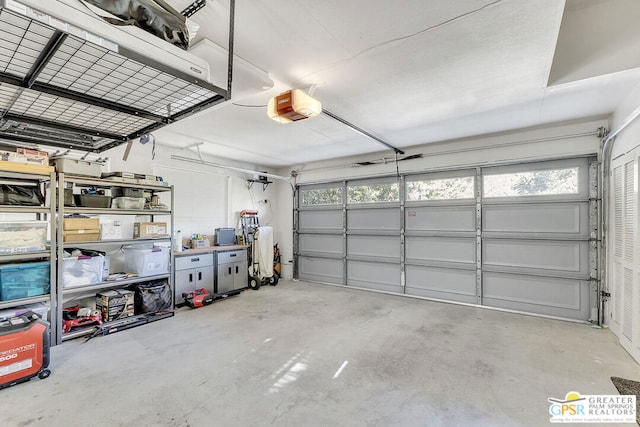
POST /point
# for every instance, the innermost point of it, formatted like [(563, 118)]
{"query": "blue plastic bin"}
[(24, 280)]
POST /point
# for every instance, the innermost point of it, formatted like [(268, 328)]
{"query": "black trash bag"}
[(86, 252), (23, 195), (151, 297), (153, 16)]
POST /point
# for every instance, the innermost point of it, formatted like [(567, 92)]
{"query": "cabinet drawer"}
[(232, 256), (194, 261)]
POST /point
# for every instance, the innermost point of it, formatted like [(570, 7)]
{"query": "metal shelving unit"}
[(47, 213), (68, 293)]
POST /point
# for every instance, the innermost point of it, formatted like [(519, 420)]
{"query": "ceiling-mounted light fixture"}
[(293, 105)]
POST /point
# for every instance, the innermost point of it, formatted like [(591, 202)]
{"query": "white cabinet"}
[(232, 271), (193, 272)]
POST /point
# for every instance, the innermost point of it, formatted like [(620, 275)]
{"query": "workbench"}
[(219, 269)]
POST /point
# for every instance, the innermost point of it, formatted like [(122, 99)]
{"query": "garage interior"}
[(457, 223)]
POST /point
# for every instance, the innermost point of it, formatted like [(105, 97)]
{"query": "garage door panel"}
[(549, 218), (331, 244), (321, 269), (440, 218), (440, 249), (373, 219), (448, 283), (527, 250), (445, 296), (374, 275), (374, 246), (542, 256), (321, 220), (542, 295)]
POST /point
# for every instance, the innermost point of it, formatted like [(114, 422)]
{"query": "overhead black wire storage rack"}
[(59, 89)]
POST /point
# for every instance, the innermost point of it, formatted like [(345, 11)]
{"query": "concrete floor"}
[(312, 355)]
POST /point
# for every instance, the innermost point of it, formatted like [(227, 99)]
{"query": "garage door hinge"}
[(605, 294)]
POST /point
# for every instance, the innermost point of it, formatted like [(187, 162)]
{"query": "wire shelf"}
[(71, 91), (83, 67), (21, 41), (37, 105)]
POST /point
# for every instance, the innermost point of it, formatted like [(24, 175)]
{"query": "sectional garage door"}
[(516, 237)]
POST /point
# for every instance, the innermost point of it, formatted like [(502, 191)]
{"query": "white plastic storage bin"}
[(116, 227), (77, 167), (82, 271), (146, 261), (136, 203), (22, 236), (40, 308)]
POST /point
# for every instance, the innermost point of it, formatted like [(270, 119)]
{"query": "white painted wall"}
[(597, 37), (628, 139), (284, 225), (567, 140), (206, 197)]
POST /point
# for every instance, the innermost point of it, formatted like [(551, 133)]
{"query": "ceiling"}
[(410, 72)]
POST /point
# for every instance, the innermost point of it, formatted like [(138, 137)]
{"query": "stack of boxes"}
[(24, 160), (81, 229), (91, 229)]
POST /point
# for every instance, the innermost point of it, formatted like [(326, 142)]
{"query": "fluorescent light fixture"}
[(293, 105)]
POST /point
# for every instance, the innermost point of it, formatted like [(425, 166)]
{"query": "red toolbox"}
[(24, 349)]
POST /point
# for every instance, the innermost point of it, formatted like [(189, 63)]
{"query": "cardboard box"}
[(116, 230), (200, 244), (26, 168), (81, 224), (115, 304), (81, 229), (34, 156), (143, 230), (81, 236)]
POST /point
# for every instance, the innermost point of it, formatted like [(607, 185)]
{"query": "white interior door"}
[(624, 268)]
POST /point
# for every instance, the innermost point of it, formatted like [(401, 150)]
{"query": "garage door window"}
[(322, 196), (373, 193), (441, 189), (533, 183)]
